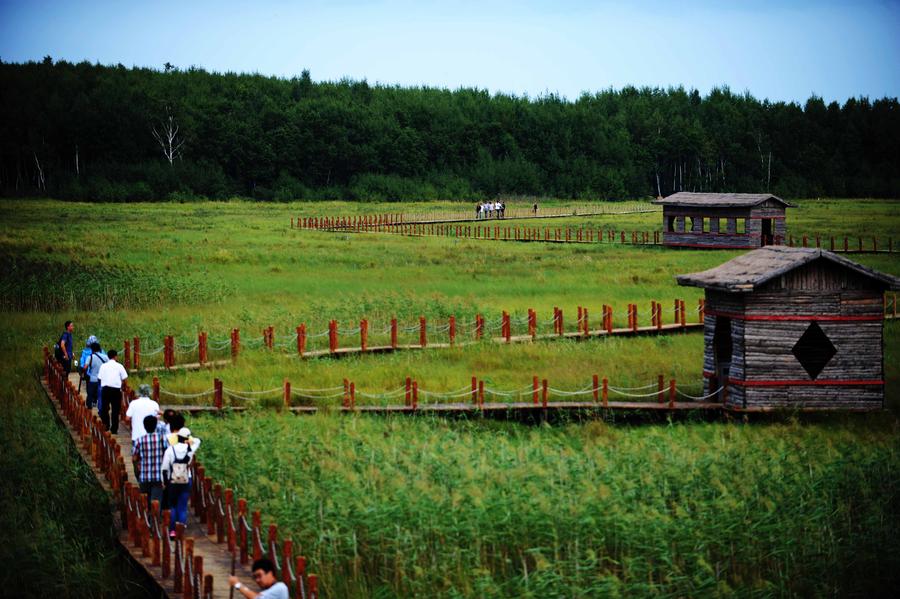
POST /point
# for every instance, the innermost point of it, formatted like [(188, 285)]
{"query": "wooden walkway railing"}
[(219, 540)]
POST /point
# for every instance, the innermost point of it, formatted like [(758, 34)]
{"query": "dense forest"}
[(111, 133)]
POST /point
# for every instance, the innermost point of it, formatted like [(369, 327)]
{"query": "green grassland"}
[(425, 507)]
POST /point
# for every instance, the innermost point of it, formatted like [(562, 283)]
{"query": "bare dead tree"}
[(168, 138), (39, 175)]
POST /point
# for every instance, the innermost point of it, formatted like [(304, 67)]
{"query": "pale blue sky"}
[(776, 50)]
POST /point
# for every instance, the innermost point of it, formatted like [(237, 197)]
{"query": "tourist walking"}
[(176, 472), (148, 458), (111, 376), (263, 571), (139, 409), (64, 350), (92, 374)]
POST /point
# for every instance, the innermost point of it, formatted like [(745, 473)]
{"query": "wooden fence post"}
[(534, 390), (332, 336), (202, 348), (156, 389), (605, 395), (235, 343), (505, 326), (415, 395), (423, 332), (287, 393), (301, 339), (475, 390), (363, 335), (479, 327), (544, 387), (352, 395), (217, 393), (634, 322), (672, 393), (127, 360), (394, 333), (452, 331)]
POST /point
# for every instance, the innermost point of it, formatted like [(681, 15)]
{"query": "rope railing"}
[(347, 394)]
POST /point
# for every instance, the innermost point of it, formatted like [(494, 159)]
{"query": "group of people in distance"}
[(490, 210)]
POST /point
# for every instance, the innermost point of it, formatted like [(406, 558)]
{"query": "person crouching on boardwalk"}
[(176, 472), (111, 375), (148, 458), (264, 575)]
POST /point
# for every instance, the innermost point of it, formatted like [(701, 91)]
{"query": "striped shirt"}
[(150, 448)]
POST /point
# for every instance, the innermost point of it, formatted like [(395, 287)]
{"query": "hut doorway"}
[(766, 231), (722, 349)]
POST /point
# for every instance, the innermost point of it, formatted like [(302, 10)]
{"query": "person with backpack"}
[(64, 351), (148, 456), (91, 372), (176, 473)]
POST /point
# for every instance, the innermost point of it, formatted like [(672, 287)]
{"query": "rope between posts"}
[(341, 394), (701, 397), (253, 392), (188, 346), (314, 335), (507, 393), (153, 352), (218, 347), (323, 390), (633, 388), (185, 395), (561, 392), (651, 394)]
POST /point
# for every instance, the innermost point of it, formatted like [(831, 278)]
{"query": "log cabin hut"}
[(794, 328), (723, 220)]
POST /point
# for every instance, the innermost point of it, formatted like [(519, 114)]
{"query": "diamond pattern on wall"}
[(813, 350)]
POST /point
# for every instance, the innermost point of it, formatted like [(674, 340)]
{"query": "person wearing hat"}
[(86, 352), (176, 473), (139, 409), (91, 373)]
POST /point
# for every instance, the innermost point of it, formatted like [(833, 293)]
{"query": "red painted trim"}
[(710, 247), (800, 318), (791, 383)]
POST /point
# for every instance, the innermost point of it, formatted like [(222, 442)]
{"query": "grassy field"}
[(419, 507)]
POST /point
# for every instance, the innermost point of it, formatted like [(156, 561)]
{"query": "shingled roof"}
[(718, 200), (747, 272)]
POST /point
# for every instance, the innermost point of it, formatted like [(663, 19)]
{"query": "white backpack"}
[(181, 470)]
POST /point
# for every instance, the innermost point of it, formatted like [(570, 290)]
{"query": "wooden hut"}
[(796, 328), (723, 220)]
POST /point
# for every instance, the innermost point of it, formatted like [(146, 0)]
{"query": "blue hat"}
[(92, 339)]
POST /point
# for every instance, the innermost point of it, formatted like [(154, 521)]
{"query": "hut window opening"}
[(740, 225), (814, 350), (670, 224), (707, 223)]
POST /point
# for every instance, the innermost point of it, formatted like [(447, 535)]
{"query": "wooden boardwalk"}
[(216, 558)]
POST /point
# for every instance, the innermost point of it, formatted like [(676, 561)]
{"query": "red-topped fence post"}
[(479, 327), (363, 335), (202, 348), (452, 330), (332, 336), (235, 344)]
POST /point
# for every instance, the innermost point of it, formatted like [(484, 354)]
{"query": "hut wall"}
[(723, 234), (768, 323), (732, 304)]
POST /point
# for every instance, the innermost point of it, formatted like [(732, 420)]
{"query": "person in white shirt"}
[(111, 375), (139, 409), (176, 473)]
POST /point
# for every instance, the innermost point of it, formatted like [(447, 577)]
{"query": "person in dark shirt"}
[(66, 349)]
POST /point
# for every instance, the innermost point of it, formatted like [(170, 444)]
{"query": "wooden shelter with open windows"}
[(723, 220), (794, 328)]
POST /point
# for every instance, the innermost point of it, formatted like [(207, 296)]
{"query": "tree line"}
[(111, 133)]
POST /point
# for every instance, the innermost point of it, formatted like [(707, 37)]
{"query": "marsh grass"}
[(424, 507)]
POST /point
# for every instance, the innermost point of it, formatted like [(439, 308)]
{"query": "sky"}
[(783, 51)]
